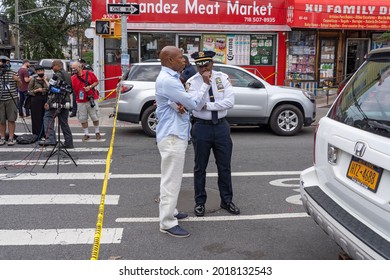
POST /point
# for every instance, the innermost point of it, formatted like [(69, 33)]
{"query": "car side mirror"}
[(256, 84)]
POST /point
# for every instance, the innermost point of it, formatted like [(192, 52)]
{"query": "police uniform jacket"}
[(222, 92)]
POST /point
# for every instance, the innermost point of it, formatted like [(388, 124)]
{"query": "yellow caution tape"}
[(100, 217)]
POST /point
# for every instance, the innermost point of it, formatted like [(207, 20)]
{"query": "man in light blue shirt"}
[(172, 133)]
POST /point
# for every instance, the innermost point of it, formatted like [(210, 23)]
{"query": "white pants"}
[(172, 150)]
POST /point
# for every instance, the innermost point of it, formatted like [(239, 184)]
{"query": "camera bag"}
[(26, 139)]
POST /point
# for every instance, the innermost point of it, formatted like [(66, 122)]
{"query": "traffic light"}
[(103, 27), (117, 28)]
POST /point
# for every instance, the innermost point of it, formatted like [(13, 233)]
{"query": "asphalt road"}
[(57, 218)]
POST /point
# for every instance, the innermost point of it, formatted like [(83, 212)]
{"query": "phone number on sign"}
[(259, 19)]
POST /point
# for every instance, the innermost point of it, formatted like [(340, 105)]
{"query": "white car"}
[(284, 109), (347, 191)]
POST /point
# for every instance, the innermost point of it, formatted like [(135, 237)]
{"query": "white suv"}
[(257, 102), (347, 191)]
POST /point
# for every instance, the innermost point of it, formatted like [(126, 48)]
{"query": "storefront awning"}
[(339, 14), (236, 28)]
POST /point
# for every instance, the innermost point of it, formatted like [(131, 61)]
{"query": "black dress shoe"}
[(230, 207), (199, 210), (72, 115)]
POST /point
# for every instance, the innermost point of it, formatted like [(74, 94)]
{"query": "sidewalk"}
[(325, 99)]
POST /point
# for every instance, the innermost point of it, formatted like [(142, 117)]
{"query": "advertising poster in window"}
[(216, 43), (238, 49), (262, 50)]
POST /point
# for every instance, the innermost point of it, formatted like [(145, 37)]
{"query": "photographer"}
[(9, 81), (38, 89), (84, 83), (58, 104)]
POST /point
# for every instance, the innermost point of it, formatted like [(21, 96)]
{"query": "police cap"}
[(202, 58)]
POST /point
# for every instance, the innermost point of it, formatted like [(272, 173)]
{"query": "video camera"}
[(4, 67), (60, 89)]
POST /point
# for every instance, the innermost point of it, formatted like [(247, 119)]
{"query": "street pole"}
[(17, 48), (125, 56)]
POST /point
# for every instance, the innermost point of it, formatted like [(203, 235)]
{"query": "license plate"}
[(364, 173)]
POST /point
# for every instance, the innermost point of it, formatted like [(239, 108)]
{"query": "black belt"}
[(197, 120)]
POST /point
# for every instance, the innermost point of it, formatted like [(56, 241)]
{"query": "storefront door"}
[(327, 62), (356, 50)]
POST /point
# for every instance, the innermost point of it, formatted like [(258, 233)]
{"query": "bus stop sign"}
[(127, 9)]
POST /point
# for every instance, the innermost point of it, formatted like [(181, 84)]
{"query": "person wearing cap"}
[(37, 90), (172, 135), (9, 82), (211, 131), (25, 78), (84, 83)]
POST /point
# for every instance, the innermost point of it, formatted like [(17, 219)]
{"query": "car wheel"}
[(149, 121), (286, 120)]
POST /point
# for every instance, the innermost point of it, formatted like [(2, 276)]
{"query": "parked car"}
[(347, 191), (46, 64), (257, 102)]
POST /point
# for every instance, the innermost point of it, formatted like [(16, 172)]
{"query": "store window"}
[(302, 53), (262, 50), (152, 44), (242, 49), (113, 49), (189, 44)]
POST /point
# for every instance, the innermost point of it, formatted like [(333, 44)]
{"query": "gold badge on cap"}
[(201, 54)]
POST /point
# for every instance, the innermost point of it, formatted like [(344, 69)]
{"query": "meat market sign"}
[(200, 11), (341, 14)]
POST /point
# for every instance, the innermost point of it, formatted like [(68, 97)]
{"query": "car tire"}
[(286, 120), (149, 121)]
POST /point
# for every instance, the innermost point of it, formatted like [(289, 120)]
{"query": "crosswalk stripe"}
[(58, 236), (89, 141), (218, 218), (73, 133), (50, 148), (57, 199), (100, 176), (52, 162), (52, 176)]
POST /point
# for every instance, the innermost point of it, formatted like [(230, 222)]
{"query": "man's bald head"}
[(172, 57)]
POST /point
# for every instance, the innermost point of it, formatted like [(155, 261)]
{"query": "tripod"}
[(59, 146)]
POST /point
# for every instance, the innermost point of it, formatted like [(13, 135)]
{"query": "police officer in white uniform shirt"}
[(211, 131)]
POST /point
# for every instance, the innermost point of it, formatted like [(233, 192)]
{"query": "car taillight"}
[(126, 88), (314, 146)]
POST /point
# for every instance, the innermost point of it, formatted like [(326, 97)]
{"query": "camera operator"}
[(9, 81), (58, 105), (84, 83)]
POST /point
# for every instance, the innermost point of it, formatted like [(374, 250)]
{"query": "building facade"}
[(305, 43)]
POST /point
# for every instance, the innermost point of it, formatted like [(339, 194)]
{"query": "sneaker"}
[(98, 137), (11, 142), (176, 231), (72, 115), (45, 142), (85, 137), (2, 141), (181, 215)]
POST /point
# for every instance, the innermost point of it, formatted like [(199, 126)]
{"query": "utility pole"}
[(17, 41), (125, 58)]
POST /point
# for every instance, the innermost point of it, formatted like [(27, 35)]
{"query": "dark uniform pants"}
[(37, 112), (207, 136)]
